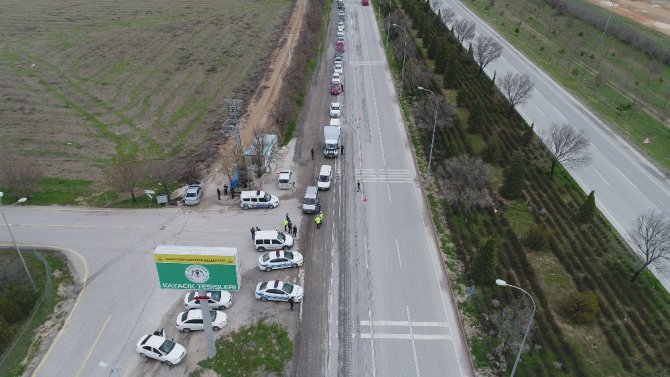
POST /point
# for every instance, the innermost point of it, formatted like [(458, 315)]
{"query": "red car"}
[(339, 47), (336, 88), (365, 2)]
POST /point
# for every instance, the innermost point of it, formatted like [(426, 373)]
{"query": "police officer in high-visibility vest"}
[(317, 220)]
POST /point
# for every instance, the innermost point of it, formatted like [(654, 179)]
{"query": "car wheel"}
[(294, 265), (245, 207), (168, 363), (284, 247), (264, 299), (143, 356), (272, 206), (268, 269), (186, 329), (261, 249), (216, 328)]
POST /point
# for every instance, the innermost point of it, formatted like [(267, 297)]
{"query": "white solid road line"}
[(411, 333), (601, 176), (397, 249)]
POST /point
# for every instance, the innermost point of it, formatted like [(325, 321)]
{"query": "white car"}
[(277, 290), (338, 58), (336, 76), (337, 68), (340, 33), (193, 194), (335, 110), (158, 347), (192, 320), (285, 179), (340, 28), (219, 300), (275, 260), (325, 177)]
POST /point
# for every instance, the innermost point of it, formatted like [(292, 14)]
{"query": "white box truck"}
[(331, 141)]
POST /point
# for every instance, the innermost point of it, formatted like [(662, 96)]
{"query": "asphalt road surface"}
[(389, 311), (112, 252), (625, 182)]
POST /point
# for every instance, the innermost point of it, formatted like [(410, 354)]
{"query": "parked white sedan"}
[(335, 110), (277, 290), (275, 260), (158, 347), (191, 320), (219, 300)]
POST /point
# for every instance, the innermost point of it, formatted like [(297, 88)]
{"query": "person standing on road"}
[(290, 227), (218, 193), (295, 231), (291, 301), (286, 224), (225, 190), (312, 153), (253, 233), (358, 184), (342, 149), (317, 220), (287, 218), (232, 193)]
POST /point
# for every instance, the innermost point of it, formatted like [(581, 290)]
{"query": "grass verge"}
[(260, 348)]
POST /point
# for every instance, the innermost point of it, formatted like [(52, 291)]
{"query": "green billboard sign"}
[(197, 268)]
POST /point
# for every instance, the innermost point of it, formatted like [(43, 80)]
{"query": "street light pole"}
[(404, 53), (503, 283), (432, 140), (16, 246)]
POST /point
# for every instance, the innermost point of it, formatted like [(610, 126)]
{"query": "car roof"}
[(334, 104), (153, 341), (325, 169), (285, 173)]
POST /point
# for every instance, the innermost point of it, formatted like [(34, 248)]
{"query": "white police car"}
[(277, 290), (192, 320), (158, 347), (219, 300), (280, 259)]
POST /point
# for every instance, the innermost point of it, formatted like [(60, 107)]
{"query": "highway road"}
[(625, 182), (395, 312)]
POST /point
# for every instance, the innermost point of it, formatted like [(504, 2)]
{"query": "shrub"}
[(5, 336), (582, 307), (513, 182), (537, 238), (587, 209), (484, 265)]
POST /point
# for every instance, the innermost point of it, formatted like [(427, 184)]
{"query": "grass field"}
[(81, 80), (605, 73)]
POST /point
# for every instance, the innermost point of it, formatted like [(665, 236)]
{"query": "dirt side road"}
[(654, 14)]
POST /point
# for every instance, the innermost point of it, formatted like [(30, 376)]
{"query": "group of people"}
[(289, 227), (225, 192)]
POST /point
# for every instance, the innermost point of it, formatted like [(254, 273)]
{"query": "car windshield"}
[(331, 146), (167, 346), (281, 237), (288, 287), (267, 197), (216, 296), (190, 194), (309, 201), (212, 314), (323, 178), (288, 255), (184, 315), (283, 180), (263, 285)]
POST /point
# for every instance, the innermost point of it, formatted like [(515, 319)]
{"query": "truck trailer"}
[(331, 141)]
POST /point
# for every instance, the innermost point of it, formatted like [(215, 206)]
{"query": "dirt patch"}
[(654, 14)]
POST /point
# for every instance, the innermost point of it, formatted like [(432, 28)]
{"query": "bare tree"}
[(124, 172), (466, 182), (651, 235), (261, 151), (511, 323), (486, 50), (447, 15), (566, 146), (464, 30), (516, 88), (231, 159), (19, 176), (165, 173)]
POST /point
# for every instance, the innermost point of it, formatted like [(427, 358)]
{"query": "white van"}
[(272, 240), (258, 199), (310, 203), (284, 180), (325, 177)]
